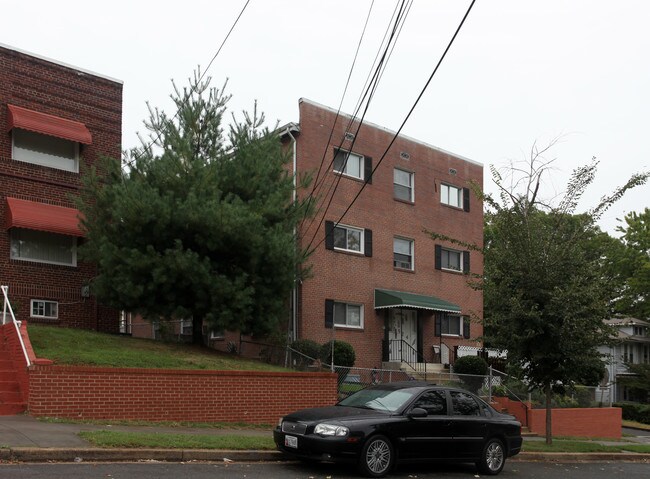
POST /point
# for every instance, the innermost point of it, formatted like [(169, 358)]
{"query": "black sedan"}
[(409, 421)]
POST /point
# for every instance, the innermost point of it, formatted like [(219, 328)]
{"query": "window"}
[(126, 322), (45, 150), (464, 404), (349, 164), (452, 196), (348, 315), (217, 334), (433, 402), (44, 309), (451, 325), (403, 185), (43, 247), (348, 238), (186, 327), (451, 260), (403, 253)]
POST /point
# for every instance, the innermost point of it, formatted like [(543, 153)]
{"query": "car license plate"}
[(291, 441)]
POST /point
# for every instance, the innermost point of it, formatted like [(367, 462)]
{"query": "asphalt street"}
[(291, 470)]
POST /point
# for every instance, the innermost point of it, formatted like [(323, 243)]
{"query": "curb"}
[(581, 457), (30, 454)]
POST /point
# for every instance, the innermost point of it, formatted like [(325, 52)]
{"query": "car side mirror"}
[(417, 412)]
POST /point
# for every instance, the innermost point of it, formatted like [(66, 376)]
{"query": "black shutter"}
[(367, 240), (466, 262), (367, 169), (329, 235), (466, 199), (438, 256), (438, 330), (466, 327), (329, 313)]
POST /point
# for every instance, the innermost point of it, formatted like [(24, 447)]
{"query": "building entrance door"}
[(402, 335)]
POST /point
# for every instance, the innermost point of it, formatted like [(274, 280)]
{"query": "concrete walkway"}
[(26, 439)]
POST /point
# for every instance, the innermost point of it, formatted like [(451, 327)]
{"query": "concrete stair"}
[(426, 371), (11, 398)]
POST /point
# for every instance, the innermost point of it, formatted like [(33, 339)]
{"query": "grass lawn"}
[(90, 348), (637, 425), (176, 441), (561, 445)]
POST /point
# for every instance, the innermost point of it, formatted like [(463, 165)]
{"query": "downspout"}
[(294, 292)]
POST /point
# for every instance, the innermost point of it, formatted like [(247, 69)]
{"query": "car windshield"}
[(389, 400)]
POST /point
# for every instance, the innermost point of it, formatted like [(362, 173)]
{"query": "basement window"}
[(41, 308)]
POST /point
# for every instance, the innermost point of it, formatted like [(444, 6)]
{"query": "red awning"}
[(42, 217), (48, 125)]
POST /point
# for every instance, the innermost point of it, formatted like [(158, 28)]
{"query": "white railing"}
[(7, 305)]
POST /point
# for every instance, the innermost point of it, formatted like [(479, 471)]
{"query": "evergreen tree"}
[(200, 223)]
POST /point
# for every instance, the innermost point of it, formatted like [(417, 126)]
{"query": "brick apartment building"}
[(378, 280), (52, 117)]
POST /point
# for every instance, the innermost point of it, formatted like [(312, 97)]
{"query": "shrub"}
[(307, 347), (344, 357), (343, 353), (635, 412), (474, 365)]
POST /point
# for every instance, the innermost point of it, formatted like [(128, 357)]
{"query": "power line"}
[(369, 94), (426, 85), (192, 89)]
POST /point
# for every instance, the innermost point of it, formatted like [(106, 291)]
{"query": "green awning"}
[(385, 298)]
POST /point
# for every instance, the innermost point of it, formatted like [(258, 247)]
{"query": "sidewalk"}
[(26, 439)]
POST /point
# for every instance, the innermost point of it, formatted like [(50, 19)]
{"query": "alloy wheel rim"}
[(378, 456), (494, 456)]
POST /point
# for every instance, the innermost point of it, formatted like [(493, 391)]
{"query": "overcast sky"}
[(521, 71)]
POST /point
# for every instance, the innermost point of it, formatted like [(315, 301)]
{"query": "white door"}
[(403, 328)]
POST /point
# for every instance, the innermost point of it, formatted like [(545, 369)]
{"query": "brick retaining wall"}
[(175, 395), (578, 422)]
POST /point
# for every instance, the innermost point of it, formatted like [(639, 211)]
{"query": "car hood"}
[(338, 413)]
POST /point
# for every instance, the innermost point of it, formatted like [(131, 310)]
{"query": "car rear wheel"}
[(377, 457), (493, 457)]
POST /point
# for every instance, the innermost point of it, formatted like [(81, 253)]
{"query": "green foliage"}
[(638, 382), (471, 365), (635, 412), (201, 222), (475, 367), (344, 355), (629, 261), (307, 347)]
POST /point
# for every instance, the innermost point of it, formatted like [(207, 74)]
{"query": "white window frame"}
[(185, 324), (412, 251), (447, 193), (349, 229), (42, 304), (360, 159), (410, 186), (460, 259), (51, 160), (217, 335), (448, 318), (12, 249), (346, 325)]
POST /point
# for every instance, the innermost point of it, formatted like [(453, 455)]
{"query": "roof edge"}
[(60, 63), (387, 130)]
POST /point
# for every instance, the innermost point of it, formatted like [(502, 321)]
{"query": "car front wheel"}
[(377, 457), (493, 457)]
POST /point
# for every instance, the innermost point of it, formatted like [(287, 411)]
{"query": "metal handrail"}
[(7, 304), (409, 355)]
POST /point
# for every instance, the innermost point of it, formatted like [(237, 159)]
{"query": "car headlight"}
[(331, 430)]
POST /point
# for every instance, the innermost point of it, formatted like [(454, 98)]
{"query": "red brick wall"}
[(353, 278), (9, 335), (578, 422), (164, 395), (62, 91)]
